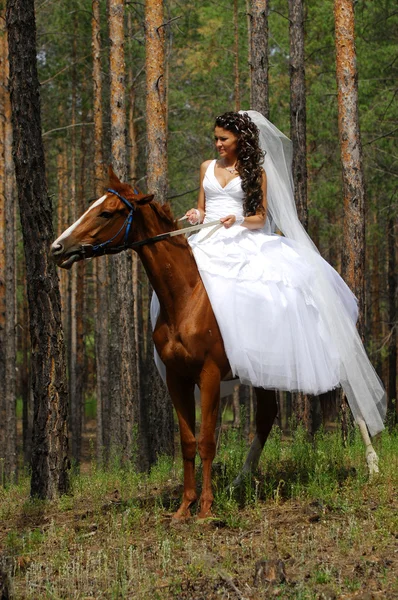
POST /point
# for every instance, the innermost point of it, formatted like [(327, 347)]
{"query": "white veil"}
[(360, 382)]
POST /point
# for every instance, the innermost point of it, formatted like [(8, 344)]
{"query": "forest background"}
[(207, 73), (333, 511)]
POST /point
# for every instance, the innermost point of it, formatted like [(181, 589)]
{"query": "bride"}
[(286, 317)]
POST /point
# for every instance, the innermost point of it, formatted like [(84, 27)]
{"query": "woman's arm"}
[(196, 215), (254, 221)]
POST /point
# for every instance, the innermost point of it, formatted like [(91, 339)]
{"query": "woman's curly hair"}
[(249, 158)]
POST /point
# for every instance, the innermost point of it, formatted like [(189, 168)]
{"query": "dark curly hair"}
[(249, 158)]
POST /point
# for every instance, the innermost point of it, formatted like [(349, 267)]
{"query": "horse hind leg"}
[(266, 412), (182, 394)]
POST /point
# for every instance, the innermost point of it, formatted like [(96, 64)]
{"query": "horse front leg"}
[(183, 398), (267, 409), (210, 401)]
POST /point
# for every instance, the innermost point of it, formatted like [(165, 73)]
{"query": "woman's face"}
[(226, 143)]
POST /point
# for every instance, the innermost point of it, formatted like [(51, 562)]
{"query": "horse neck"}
[(169, 264)]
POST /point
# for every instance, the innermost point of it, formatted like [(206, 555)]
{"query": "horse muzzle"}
[(65, 259)]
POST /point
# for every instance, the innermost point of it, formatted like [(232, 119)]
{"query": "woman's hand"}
[(230, 220), (193, 215)]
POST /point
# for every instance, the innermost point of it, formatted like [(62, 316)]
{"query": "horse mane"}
[(165, 215), (164, 212)]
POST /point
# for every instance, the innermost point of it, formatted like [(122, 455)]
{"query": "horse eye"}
[(106, 214)]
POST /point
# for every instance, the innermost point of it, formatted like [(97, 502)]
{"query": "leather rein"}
[(101, 249)]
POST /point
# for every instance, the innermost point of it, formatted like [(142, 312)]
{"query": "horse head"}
[(105, 227)]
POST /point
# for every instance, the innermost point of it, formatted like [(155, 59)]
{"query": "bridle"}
[(101, 249)]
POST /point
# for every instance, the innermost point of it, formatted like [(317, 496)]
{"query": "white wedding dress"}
[(259, 286)]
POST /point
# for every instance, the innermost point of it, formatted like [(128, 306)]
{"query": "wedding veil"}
[(363, 388)]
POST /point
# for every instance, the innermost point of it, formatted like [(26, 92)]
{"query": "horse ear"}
[(142, 199), (113, 178)]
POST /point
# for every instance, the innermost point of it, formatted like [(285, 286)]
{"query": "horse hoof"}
[(373, 463), (182, 515)]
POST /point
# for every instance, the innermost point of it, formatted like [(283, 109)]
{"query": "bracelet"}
[(239, 219)]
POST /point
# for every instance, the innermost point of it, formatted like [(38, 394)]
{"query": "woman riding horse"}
[(287, 319)]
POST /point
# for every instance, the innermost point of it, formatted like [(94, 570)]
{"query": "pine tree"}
[(50, 444), (122, 360), (158, 421)]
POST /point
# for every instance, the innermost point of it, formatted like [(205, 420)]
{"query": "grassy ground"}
[(309, 525)]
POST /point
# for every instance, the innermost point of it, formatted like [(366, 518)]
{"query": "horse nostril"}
[(56, 248)]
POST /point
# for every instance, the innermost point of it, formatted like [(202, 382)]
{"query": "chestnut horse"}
[(186, 334)]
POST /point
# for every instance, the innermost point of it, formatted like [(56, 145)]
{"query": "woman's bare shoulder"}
[(205, 164)]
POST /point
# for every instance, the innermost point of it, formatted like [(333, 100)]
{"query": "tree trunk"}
[(157, 422), (302, 404), (298, 132), (236, 58), (132, 176), (10, 283), (351, 153), (50, 443), (25, 381), (62, 219), (353, 260), (81, 268), (75, 399), (122, 359), (375, 287), (3, 55), (259, 94), (101, 263), (392, 316)]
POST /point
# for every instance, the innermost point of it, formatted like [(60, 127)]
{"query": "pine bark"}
[(25, 380), (375, 304), (10, 285), (132, 176), (122, 359), (351, 153), (62, 218), (157, 417), (392, 316), (2, 243), (298, 129), (236, 58), (74, 392), (80, 321), (353, 259), (259, 88), (302, 404), (101, 264), (50, 443)]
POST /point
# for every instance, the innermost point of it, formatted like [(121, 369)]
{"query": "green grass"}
[(311, 505)]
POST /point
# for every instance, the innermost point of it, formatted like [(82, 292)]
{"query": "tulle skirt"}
[(259, 286)]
